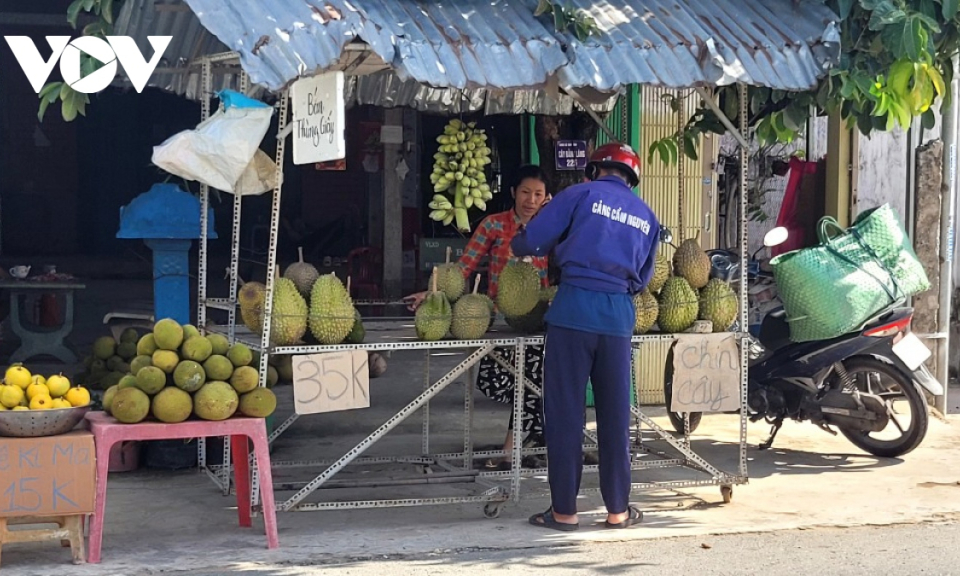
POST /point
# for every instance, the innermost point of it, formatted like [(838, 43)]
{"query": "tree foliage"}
[(894, 65)]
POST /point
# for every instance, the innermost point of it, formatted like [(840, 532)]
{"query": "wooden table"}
[(36, 343), (107, 431)]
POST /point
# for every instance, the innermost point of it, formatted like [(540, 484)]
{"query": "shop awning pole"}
[(947, 195)]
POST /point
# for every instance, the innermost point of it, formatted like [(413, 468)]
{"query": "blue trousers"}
[(570, 358)]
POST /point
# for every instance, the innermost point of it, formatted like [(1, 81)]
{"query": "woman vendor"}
[(492, 237)]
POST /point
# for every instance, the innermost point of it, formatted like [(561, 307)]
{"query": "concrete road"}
[(903, 549)]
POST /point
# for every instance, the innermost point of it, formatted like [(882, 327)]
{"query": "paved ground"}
[(917, 549)]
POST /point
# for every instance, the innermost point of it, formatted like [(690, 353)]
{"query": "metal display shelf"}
[(447, 468)]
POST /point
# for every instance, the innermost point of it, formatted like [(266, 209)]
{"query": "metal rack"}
[(498, 487)]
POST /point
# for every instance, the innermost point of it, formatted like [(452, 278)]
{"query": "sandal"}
[(546, 520), (635, 516)]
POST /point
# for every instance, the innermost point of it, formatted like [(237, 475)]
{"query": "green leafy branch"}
[(894, 66), (565, 17), (73, 102)]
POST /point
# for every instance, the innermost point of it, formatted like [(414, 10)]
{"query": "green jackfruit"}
[(331, 310), (718, 303), (647, 309), (288, 318), (678, 305), (518, 289), (434, 315)]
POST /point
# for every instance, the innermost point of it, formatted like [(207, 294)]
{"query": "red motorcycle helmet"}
[(615, 155)]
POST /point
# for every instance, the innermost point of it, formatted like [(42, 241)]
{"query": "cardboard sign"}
[(318, 119), (571, 154), (331, 382), (48, 476), (706, 373)]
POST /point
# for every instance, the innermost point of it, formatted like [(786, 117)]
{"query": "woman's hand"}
[(413, 301)]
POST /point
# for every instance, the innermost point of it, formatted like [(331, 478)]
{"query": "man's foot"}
[(632, 516), (562, 522)]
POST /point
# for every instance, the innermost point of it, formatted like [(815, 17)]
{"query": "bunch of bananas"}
[(459, 165)]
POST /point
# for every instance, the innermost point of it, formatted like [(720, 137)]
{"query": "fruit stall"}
[(312, 319)]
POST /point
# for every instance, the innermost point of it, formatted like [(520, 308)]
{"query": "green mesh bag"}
[(881, 231), (834, 288)]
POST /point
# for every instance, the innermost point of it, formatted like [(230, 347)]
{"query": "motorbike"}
[(847, 384)]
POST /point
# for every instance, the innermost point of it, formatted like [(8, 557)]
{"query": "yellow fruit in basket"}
[(3, 408), (61, 403), (11, 396), (41, 402), (18, 376), (58, 385), (38, 379), (37, 389), (19, 408), (77, 396)]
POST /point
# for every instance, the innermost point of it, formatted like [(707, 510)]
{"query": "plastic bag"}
[(220, 149), (260, 176)]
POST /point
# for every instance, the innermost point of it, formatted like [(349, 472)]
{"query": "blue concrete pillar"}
[(171, 278)]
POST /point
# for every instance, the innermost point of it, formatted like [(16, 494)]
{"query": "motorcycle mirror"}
[(775, 237), (666, 236)]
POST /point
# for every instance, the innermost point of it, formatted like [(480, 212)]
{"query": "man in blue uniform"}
[(604, 239)]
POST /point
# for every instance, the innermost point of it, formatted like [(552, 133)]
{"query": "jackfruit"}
[(471, 315), (130, 405), (288, 318), (146, 346), (692, 263), (533, 321), (218, 344), (168, 334), (189, 331), (302, 274), (240, 355), (661, 271), (218, 367), (718, 303), (518, 288), (678, 305), (647, 309), (450, 279), (127, 381), (258, 403), (172, 405), (165, 360), (215, 401), (140, 362), (331, 310), (434, 315), (245, 379), (251, 298)]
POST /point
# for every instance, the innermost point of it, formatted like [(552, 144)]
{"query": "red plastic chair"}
[(365, 267)]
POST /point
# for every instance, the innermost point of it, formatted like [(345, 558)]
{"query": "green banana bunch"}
[(459, 165)]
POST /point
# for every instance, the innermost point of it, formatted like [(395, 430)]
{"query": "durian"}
[(692, 263), (661, 271), (331, 310), (518, 290), (647, 310), (678, 305), (302, 274), (288, 316), (533, 321), (718, 303), (251, 298), (471, 315), (434, 315), (450, 279)]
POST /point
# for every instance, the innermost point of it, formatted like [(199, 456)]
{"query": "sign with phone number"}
[(571, 154)]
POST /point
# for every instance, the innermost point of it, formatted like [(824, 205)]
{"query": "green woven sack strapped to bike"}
[(881, 230), (834, 288)]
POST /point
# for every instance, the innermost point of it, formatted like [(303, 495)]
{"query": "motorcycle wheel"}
[(676, 418), (919, 413)]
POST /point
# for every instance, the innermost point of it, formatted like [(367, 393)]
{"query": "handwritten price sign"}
[(331, 382), (706, 373), (47, 476)]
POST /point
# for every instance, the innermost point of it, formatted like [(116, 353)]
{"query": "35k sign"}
[(115, 48)]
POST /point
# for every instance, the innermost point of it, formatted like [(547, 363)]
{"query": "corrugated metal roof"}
[(785, 44)]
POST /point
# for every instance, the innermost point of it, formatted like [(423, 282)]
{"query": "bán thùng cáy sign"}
[(706, 373)]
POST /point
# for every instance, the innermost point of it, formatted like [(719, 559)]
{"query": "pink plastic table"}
[(107, 431)]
